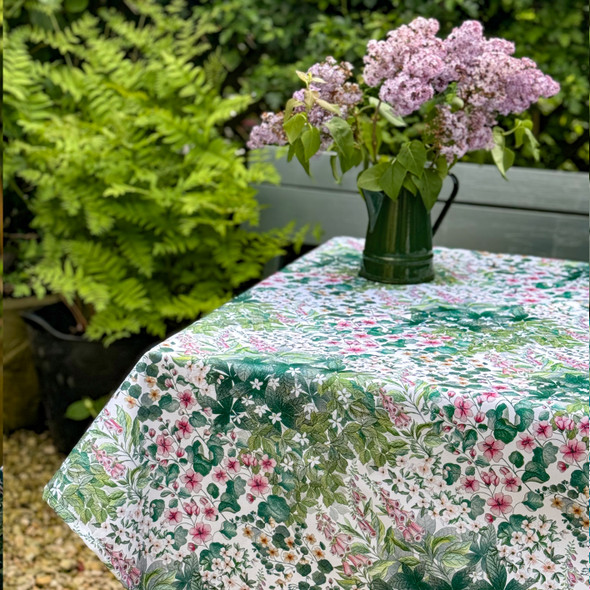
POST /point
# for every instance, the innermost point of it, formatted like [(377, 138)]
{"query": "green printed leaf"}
[(535, 472), (516, 458), (156, 509), (533, 501)]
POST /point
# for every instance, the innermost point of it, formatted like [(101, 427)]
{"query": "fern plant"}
[(144, 210)]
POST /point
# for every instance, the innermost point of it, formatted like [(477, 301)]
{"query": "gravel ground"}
[(40, 550)]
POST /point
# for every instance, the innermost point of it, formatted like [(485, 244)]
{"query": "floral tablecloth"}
[(323, 431)]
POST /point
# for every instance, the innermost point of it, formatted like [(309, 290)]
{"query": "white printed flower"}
[(335, 422), (300, 438), (256, 384), (261, 410)]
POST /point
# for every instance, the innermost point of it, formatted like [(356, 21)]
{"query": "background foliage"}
[(259, 43), (137, 200)]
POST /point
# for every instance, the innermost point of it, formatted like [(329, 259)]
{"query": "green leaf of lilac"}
[(393, 179), (412, 156), (300, 154), (341, 132), (370, 179), (387, 112), (294, 126), (310, 139), (429, 185), (331, 108), (533, 144), (409, 184), (503, 157)]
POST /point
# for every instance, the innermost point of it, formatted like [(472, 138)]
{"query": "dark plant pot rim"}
[(33, 318)]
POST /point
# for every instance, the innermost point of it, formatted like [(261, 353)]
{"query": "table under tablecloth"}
[(324, 431)]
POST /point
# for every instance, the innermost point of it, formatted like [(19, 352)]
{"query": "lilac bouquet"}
[(458, 86)]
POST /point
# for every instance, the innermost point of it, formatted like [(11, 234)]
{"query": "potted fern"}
[(141, 205)]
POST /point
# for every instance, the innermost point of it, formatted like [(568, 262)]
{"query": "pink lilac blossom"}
[(408, 62), (269, 132), (334, 89)]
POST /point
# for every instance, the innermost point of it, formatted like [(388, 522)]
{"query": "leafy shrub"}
[(141, 206)]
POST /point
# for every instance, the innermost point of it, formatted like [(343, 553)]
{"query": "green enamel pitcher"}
[(398, 246)]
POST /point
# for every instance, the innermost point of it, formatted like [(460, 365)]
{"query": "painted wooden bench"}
[(538, 212)]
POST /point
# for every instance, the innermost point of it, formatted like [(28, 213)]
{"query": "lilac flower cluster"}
[(410, 63), (333, 89), (413, 64), (269, 132)]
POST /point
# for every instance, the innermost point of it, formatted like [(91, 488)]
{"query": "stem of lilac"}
[(374, 136)]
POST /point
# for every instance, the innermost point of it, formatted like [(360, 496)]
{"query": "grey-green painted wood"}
[(539, 212)]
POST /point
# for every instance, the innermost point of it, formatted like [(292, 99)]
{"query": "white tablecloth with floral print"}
[(323, 431)]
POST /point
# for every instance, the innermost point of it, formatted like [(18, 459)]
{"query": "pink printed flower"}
[(249, 460), (543, 430), (201, 533), (267, 464), (500, 504), (470, 483), (258, 485), (210, 512), (511, 482), (480, 417), (564, 423), (573, 451), (184, 428), (492, 448), (340, 544), (192, 481), (191, 508), (490, 478), (526, 443), (187, 399), (584, 425), (232, 465), (463, 408), (220, 475), (114, 426), (173, 515), (488, 396), (164, 445)]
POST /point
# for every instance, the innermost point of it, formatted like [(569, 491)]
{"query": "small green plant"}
[(86, 408), (141, 206)]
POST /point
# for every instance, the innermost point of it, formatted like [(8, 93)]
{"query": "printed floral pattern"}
[(322, 431)]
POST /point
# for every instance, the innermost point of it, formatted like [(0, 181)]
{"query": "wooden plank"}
[(527, 188), (495, 229)]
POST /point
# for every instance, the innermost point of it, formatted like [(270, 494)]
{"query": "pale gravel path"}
[(40, 550)]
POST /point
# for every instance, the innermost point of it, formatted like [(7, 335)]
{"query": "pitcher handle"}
[(447, 204)]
